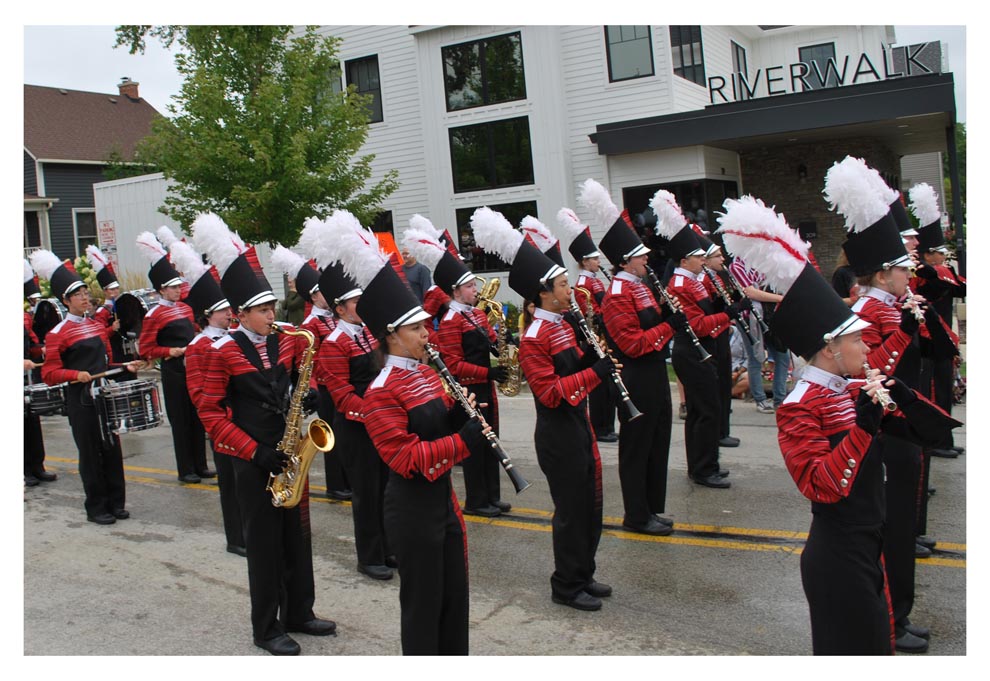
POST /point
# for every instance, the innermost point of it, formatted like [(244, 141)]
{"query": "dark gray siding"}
[(30, 176), (72, 185)]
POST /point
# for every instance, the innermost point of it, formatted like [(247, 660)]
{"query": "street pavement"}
[(727, 582)]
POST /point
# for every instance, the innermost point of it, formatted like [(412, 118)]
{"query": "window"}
[(739, 68), (383, 223), (475, 258), (32, 232), (363, 74), (630, 52), (489, 155), (685, 47), (484, 72), (820, 73), (85, 227)]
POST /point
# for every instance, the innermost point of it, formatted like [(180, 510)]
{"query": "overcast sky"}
[(52, 58)]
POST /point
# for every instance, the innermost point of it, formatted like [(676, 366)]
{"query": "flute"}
[(518, 481), (705, 355), (882, 394), (728, 301), (756, 312)]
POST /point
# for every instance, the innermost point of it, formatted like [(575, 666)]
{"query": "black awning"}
[(876, 102)]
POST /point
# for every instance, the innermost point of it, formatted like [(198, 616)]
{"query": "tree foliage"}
[(258, 134), (946, 172)]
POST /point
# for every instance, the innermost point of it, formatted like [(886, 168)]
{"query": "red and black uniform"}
[(436, 303), (105, 314), (722, 355), (702, 426), (243, 405), (601, 403), (198, 354), (466, 343), (565, 447), (79, 344), (172, 325), (34, 441), (411, 419), (639, 339), (345, 364)]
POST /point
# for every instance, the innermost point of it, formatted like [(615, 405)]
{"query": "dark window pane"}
[(818, 55), (462, 75), (489, 155), (476, 259), (363, 75), (504, 69), (689, 58), (630, 52), (483, 72), (469, 152), (512, 151), (32, 230), (383, 223)]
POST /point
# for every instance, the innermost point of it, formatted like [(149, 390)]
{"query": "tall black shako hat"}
[(335, 284), (205, 295), (162, 273), (30, 281), (673, 226), (924, 205), (102, 267), (542, 238), (386, 302), (61, 275), (811, 312), (620, 241), (894, 201), (576, 235), (295, 267), (242, 284), (874, 240), (423, 241), (529, 270)]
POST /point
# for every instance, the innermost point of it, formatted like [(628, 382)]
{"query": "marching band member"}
[(561, 378), (167, 330), (111, 289), (410, 419), (77, 350), (34, 441), (638, 335), (243, 405), (213, 315), (831, 431)]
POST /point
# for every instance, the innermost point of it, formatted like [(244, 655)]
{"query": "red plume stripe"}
[(450, 244), (214, 273), (625, 218), (783, 244), (68, 265)]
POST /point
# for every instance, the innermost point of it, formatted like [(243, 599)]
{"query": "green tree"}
[(949, 190), (117, 167), (258, 134)]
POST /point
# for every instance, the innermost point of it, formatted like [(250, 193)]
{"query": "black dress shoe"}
[(340, 494), (485, 511), (598, 590), (280, 645), (376, 571), (713, 481), (958, 450), (728, 441), (120, 513), (207, 473), (907, 642), (238, 550), (582, 601), (919, 631), (921, 551), (666, 521), (931, 491), (503, 506), (926, 541), (191, 478), (45, 476), (31, 481), (944, 453), (101, 519), (608, 437), (652, 527), (315, 627), (392, 562), (723, 472)]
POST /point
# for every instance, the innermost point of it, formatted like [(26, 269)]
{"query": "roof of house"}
[(83, 126)]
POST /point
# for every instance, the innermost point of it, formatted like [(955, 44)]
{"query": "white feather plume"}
[(187, 261), (150, 247), (96, 258), (421, 223), (287, 262), (494, 234), (924, 203), (538, 232), (356, 248), (887, 194), (212, 236), (852, 193), (763, 239), (670, 219), (166, 236), (569, 225), (423, 245), (595, 199), (28, 272), (44, 263)]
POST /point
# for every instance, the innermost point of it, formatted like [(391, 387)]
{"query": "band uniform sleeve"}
[(195, 366), (334, 363), (148, 346), (452, 327), (884, 338), (702, 324), (226, 436), (548, 387), (623, 327), (52, 371)]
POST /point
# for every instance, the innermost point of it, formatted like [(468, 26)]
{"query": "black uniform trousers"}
[(101, 464), (336, 477), (34, 445), (902, 460), (704, 409), (644, 444), (601, 406), (427, 535), (482, 469), (368, 475), (233, 528), (723, 355), (188, 435), (279, 554), (937, 377)]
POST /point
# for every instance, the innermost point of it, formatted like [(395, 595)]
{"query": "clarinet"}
[(756, 313), (518, 481), (704, 354), (728, 301), (627, 402)]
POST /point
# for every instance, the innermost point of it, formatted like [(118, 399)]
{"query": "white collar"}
[(351, 329), (540, 313), (255, 338), (460, 307), (166, 303), (407, 363), (212, 331), (628, 276), (825, 379), (318, 311), (78, 319), (687, 273), (885, 297), (586, 273)]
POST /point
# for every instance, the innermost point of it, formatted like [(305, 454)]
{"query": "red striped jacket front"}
[(156, 319), (449, 343), (597, 289), (65, 334), (621, 306), (334, 363), (197, 353), (690, 293), (883, 336), (544, 339)]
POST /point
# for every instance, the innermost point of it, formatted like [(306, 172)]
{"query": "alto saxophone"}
[(508, 354), (286, 488)]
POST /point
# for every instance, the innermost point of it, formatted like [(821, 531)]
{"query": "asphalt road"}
[(726, 582)]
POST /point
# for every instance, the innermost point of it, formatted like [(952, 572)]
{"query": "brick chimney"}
[(128, 88)]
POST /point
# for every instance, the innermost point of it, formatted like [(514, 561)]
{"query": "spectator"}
[(417, 274)]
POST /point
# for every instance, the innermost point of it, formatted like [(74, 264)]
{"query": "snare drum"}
[(44, 400), (129, 406), (47, 316)]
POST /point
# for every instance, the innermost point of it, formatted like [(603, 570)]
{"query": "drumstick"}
[(109, 372)]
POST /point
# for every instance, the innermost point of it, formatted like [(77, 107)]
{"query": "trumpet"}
[(716, 282), (882, 394), (704, 354)]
